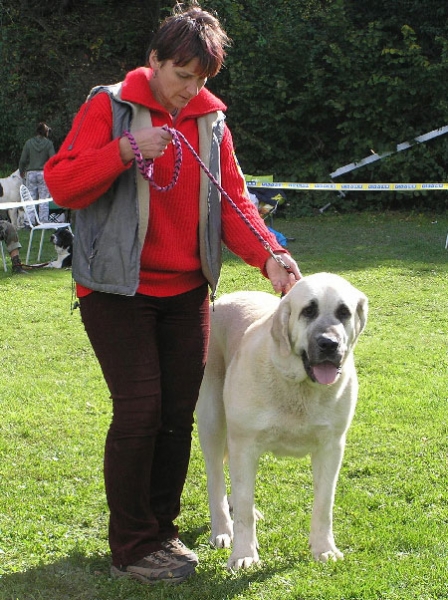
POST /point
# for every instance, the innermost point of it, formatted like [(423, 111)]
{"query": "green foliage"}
[(58, 51), (310, 85), (313, 86)]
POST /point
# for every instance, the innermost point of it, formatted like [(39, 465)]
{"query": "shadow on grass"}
[(77, 577)]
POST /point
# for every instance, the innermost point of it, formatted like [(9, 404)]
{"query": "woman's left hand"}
[(283, 280)]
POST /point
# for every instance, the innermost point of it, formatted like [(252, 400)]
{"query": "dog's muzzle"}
[(325, 372), (324, 364)]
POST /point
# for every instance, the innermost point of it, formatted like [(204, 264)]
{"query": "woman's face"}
[(173, 86)]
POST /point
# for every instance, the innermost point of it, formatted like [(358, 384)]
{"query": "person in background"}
[(35, 154), (8, 234), (144, 257)]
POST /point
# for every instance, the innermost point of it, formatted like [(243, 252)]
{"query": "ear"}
[(280, 327), (153, 60), (361, 313)]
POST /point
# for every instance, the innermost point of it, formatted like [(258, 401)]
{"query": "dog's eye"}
[(343, 313), (310, 311)]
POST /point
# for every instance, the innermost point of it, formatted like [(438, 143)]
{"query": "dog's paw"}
[(328, 556), (234, 563), (323, 547), (223, 540)]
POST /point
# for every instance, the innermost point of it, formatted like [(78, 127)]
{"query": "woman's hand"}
[(283, 280), (151, 141)]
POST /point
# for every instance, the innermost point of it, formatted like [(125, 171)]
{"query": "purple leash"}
[(146, 168)]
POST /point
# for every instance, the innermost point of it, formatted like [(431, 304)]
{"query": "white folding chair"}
[(3, 256), (25, 196)]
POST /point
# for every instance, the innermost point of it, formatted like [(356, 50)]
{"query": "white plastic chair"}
[(3, 256), (25, 196)]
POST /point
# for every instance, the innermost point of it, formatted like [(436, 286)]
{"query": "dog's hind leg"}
[(212, 436)]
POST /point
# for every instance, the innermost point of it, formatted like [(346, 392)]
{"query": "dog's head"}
[(62, 238), (317, 325)]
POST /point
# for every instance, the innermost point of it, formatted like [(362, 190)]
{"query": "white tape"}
[(8, 205), (359, 187), (403, 146)]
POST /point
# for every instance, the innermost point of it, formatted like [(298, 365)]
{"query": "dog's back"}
[(230, 317)]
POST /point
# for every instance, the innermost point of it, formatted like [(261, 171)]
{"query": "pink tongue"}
[(325, 373)]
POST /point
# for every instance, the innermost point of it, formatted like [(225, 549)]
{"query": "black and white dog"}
[(63, 243)]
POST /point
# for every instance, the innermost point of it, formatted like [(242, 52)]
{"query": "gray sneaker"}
[(178, 550), (156, 567)]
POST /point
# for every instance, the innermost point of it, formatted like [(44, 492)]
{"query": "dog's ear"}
[(362, 310), (280, 327)]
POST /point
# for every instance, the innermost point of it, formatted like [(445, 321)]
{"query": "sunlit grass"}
[(391, 511)]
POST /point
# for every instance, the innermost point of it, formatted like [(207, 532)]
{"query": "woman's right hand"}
[(151, 141)]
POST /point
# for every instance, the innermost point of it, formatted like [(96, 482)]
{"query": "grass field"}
[(391, 512)]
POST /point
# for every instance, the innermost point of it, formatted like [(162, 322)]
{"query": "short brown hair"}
[(43, 129), (189, 34)]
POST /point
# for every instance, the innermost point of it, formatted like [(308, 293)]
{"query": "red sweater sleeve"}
[(97, 156), (90, 147), (236, 233)]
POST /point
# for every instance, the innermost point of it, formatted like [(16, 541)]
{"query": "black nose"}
[(327, 344)]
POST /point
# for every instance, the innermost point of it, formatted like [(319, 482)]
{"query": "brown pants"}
[(152, 352)]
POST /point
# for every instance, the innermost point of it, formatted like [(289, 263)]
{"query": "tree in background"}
[(311, 84), (52, 53)]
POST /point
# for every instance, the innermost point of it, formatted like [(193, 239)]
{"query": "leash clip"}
[(278, 259)]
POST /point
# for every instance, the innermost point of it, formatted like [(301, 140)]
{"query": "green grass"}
[(391, 510)]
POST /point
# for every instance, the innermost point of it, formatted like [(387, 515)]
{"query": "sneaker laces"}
[(160, 558)]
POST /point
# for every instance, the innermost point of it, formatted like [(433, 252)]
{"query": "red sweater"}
[(170, 261)]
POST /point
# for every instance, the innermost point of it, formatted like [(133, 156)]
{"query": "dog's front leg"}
[(326, 462), (243, 463)]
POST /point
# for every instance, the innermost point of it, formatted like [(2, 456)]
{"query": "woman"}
[(35, 153), (143, 266)]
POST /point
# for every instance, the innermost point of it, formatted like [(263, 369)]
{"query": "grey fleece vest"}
[(110, 232)]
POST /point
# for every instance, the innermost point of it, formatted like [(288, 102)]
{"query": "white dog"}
[(10, 192), (280, 377)]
